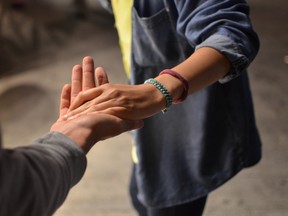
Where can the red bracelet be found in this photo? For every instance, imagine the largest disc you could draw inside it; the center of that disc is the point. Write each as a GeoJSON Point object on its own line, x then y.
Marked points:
{"type": "Point", "coordinates": [182, 79]}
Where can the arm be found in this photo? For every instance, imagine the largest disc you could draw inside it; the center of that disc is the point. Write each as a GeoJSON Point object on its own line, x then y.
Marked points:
{"type": "Point", "coordinates": [36, 179]}
{"type": "Point", "coordinates": [224, 41]}
{"type": "Point", "coordinates": [202, 68]}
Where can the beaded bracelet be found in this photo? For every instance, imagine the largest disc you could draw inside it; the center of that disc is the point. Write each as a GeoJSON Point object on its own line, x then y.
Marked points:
{"type": "Point", "coordinates": [182, 79]}
{"type": "Point", "coordinates": [163, 90]}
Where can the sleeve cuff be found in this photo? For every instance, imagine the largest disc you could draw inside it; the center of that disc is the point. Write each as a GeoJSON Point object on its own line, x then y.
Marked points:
{"type": "Point", "coordinates": [69, 150]}
{"type": "Point", "coordinates": [228, 48]}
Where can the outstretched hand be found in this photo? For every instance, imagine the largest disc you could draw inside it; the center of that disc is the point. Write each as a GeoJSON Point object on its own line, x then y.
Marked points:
{"type": "Point", "coordinates": [134, 102]}
{"type": "Point", "coordinates": [90, 127]}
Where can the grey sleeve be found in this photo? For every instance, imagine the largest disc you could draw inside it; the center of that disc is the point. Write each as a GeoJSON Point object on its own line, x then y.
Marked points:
{"type": "Point", "coordinates": [36, 179]}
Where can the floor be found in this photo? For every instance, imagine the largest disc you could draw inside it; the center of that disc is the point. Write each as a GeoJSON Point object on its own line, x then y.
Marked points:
{"type": "Point", "coordinates": [37, 52]}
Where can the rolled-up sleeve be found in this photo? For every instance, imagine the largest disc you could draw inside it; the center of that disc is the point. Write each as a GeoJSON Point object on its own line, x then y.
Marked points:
{"type": "Point", "coordinates": [36, 179]}
{"type": "Point", "coordinates": [223, 25]}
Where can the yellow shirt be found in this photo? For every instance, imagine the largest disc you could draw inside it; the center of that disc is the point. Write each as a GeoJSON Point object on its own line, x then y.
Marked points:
{"type": "Point", "coordinates": [122, 10]}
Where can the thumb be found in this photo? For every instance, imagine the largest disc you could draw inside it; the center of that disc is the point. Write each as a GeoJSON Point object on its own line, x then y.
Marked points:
{"type": "Point", "coordinates": [64, 100]}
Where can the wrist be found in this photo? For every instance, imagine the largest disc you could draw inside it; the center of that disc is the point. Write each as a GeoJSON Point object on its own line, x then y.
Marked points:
{"type": "Point", "coordinates": [80, 136]}
{"type": "Point", "coordinates": [83, 138]}
{"type": "Point", "coordinates": [172, 84]}
{"type": "Point", "coordinates": [154, 96]}
{"type": "Point", "coordinates": [166, 94]}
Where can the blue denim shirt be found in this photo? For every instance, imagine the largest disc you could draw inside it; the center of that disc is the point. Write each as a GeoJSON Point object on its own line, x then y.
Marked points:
{"type": "Point", "coordinates": [204, 141]}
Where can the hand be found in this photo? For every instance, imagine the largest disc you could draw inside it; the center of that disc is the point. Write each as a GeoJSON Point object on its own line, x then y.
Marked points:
{"type": "Point", "coordinates": [131, 102]}
{"type": "Point", "coordinates": [88, 128]}
{"type": "Point", "coordinates": [125, 101]}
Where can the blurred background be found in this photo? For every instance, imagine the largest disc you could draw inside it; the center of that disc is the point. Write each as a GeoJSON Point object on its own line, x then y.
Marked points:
{"type": "Point", "coordinates": [41, 40]}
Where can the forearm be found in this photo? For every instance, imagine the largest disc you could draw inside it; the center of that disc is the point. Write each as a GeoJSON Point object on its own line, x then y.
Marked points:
{"type": "Point", "coordinates": [36, 179]}
{"type": "Point", "coordinates": [204, 67]}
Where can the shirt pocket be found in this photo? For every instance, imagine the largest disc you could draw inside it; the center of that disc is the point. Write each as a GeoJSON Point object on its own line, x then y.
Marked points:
{"type": "Point", "coordinates": [154, 40]}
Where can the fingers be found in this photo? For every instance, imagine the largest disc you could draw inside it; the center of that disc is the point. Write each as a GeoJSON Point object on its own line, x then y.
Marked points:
{"type": "Point", "coordinates": [118, 111]}
{"type": "Point", "coordinates": [101, 76]}
{"type": "Point", "coordinates": [76, 81]}
{"type": "Point", "coordinates": [88, 73]}
{"type": "Point", "coordinates": [84, 80]}
{"type": "Point", "coordinates": [84, 97]}
{"type": "Point", "coordinates": [65, 100]}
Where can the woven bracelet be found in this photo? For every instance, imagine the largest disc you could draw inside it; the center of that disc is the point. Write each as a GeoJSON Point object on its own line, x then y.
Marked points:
{"type": "Point", "coordinates": [182, 79]}
{"type": "Point", "coordinates": [163, 90]}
